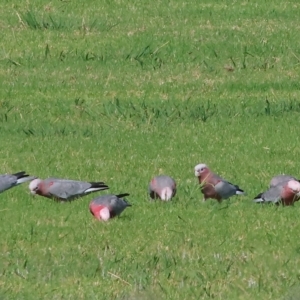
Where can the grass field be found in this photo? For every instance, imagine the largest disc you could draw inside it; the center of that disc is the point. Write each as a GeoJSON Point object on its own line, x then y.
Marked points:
{"type": "Point", "coordinates": [120, 91]}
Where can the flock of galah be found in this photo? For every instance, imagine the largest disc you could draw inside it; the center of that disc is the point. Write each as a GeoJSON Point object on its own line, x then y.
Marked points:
{"type": "Point", "coordinates": [283, 189]}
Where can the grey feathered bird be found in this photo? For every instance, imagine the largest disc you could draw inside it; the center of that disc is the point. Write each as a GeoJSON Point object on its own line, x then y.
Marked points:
{"type": "Point", "coordinates": [213, 186]}
{"type": "Point", "coordinates": [285, 192]}
{"type": "Point", "coordinates": [162, 187]}
{"type": "Point", "coordinates": [108, 206]}
{"type": "Point", "coordinates": [64, 189]}
{"type": "Point", "coordinates": [8, 181]}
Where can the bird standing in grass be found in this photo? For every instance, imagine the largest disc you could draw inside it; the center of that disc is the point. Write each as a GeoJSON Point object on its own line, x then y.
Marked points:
{"type": "Point", "coordinates": [64, 189]}
{"type": "Point", "coordinates": [162, 187]}
{"type": "Point", "coordinates": [108, 206]}
{"type": "Point", "coordinates": [214, 186]}
{"type": "Point", "coordinates": [284, 192]}
{"type": "Point", "coordinates": [8, 181]}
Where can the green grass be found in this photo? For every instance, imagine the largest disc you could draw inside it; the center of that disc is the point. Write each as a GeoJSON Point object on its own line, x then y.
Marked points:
{"type": "Point", "coordinates": [121, 91]}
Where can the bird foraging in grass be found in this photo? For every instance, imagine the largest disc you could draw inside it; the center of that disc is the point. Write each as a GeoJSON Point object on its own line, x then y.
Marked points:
{"type": "Point", "coordinates": [213, 186]}
{"type": "Point", "coordinates": [8, 181]}
{"type": "Point", "coordinates": [284, 192]}
{"type": "Point", "coordinates": [64, 189]}
{"type": "Point", "coordinates": [106, 207]}
{"type": "Point", "coordinates": [162, 187]}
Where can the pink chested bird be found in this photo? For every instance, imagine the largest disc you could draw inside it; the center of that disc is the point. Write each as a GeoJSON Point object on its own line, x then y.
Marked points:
{"type": "Point", "coordinates": [7, 181]}
{"type": "Point", "coordinates": [106, 207]}
{"type": "Point", "coordinates": [285, 192]}
{"type": "Point", "coordinates": [162, 187]}
{"type": "Point", "coordinates": [214, 186]}
{"type": "Point", "coordinates": [64, 189]}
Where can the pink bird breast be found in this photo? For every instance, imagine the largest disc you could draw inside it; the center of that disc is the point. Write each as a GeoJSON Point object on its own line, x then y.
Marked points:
{"type": "Point", "coordinates": [100, 212]}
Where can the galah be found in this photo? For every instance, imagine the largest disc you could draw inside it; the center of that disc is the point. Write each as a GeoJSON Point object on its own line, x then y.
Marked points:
{"type": "Point", "coordinates": [214, 186]}
{"type": "Point", "coordinates": [8, 181]}
{"type": "Point", "coordinates": [285, 192]}
{"type": "Point", "coordinates": [108, 206]}
{"type": "Point", "coordinates": [64, 189]}
{"type": "Point", "coordinates": [281, 178]}
{"type": "Point", "coordinates": [162, 187]}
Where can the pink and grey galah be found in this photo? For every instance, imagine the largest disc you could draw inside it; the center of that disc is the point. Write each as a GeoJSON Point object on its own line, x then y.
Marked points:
{"type": "Point", "coordinates": [106, 207]}
{"type": "Point", "coordinates": [64, 189]}
{"type": "Point", "coordinates": [281, 178]}
{"type": "Point", "coordinates": [214, 186]}
{"type": "Point", "coordinates": [162, 187]}
{"type": "Point", "coordinates": [8, 181]}
{"type": "Point", "coordinates": [284, 192]}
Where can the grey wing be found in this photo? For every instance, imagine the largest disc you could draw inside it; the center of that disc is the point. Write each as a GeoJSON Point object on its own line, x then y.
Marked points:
{"type": "Point", "coordinates": [118, 205]}
{"type": "Point", "coordinates": [55, 179]}
{"type": "Point", "coordinates": [106, 200]}
{"type": "Point", "coordinates": [225, 189]}
{"type": "Point", "coordinates": [280, 179]}
{"type": "Point", "coordinates": [67, 189]}
{"type": "Point", "coordinates": [7, 182]}
{"type": "Point", "coordinates": [273, 194]}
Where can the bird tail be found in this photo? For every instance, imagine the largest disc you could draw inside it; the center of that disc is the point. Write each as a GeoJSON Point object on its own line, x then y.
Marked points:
{"type": "Point", "coordinates": [166, 194]}
{"type": "Point", "coordinates": [240, 192]}
{"type": "Point", "coordinates": [20, 174]}
{"type": "Point", "coordinates": [97, 186]}
{"type": "Point", "coordinates": [258, 199]}
{"type": "Point", "coordinates": [122, 195]}
{"type": "Point", "coordinates": [23, 177]}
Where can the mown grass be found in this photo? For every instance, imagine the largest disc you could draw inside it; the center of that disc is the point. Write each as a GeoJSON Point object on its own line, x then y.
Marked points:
{"type": "Point", "coordinates": [120, 92]}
